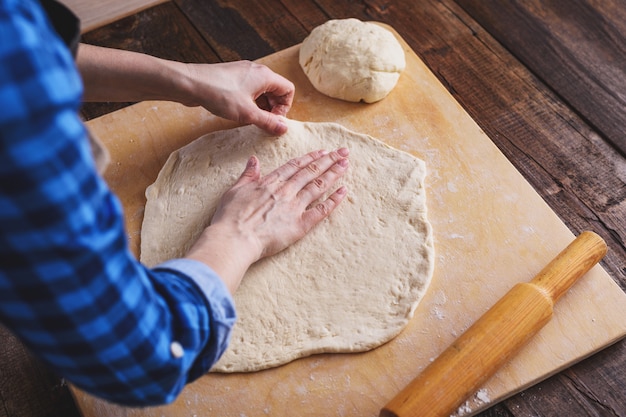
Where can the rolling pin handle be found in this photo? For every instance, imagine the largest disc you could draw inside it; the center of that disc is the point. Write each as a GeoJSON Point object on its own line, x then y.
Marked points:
{"type": "Point", "coordinates": [571, 264]}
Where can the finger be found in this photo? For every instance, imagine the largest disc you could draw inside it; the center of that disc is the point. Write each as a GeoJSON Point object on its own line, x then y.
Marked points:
{"type": "Point", "coordinates": [276, 104]}
{"type": "Point", "coordinates": [279, 92]}
{"type": "Point", "coordinates": [286, 171]}
{"type": "Point", "coordinates": [320, 211]}
{"type": "Point", "coordinates": [279, 109]}
{"type": "Point", "coordinates": [274, 100]}
{"type": "Point", "coordinates": [271, 105]}
{"type": "Point", "coordinates": [316, 168]}
{"type": "Point", "coordinates": [320, 185]}
{"type": "Point", "coordinates": [273, 124]}
{"type": "Point", "coordinates": [251, 173]}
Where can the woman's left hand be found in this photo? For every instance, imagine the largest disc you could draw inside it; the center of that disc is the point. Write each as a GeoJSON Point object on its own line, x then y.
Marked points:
{"type": "Point", "coordinates": [243, 91]}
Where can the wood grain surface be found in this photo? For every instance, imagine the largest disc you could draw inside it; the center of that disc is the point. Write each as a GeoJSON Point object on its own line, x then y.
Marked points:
{"type": "Point", "coordinates": [491, 231]}
{"type": "Point", "coordinates": [492, 63]}
{"type": "Point", "coordinates": [577, 48]}
{"type": "Point", "coordinates": [93, 14]}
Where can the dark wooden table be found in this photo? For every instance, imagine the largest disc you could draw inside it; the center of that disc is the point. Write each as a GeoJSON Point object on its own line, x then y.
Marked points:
{"type": "Point", "coordinates": [546, 80]}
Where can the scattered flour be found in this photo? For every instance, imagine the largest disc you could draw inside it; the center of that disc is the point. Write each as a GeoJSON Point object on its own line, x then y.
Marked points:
{"type": "Point", "coordinates": [481, 397]}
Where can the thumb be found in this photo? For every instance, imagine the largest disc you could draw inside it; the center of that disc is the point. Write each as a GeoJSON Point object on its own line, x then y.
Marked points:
{"type": "Point", "coordinates": [251, 173]}
{"type": "Point", "coordinates": [270, 122]}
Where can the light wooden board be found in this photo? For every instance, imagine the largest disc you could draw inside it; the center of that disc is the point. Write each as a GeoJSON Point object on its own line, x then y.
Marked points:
{"type": "Point", "coordinates": [96, 13]}
{"type": "Point", "coordinates": [491, 230]}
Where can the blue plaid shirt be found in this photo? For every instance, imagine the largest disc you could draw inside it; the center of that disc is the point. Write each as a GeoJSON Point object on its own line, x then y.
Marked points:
{"type": "Point", "coordinates": [69, 287]}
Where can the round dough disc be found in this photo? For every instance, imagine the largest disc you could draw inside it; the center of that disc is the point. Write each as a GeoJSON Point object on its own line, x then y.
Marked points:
{"type": "Point", "coordinates": [352, 60]}
{"type": "Point", "coordinates": [350, 285]}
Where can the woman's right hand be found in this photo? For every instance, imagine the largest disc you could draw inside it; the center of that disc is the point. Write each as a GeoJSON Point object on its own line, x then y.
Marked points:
{"type": "Point", "coordinates": [260, 216]}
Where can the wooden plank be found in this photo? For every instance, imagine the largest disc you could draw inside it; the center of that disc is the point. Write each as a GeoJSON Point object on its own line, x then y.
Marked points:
{"type": "Point", "coordinates": [592, 388]}
{"type": "Point", "coordinates": [578, 48]}
{"type": "Point", "coordinates": [309, 14]}
{"type": "Point", "coordinates": [93, 14]}
{"type": "Point", "coordinates": [227, 28]}
{"type": "Point", "coordinates": [162, 31]}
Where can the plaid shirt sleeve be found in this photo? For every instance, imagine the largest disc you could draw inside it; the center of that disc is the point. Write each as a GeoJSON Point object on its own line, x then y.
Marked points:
{"type": "Point", "coordinates": [69, 287]}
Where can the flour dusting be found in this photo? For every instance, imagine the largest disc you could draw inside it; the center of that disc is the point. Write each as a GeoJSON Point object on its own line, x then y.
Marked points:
{"type": "Point", "coordinates": [481, 397]}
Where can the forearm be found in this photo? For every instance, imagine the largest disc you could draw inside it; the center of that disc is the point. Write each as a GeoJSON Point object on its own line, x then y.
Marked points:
{"type": "Point", "coordinates": [242, 91]}
{"type": "Point", "coordinates": [228, 254]}
{"type": "Point", "coordinates": [118, 76]}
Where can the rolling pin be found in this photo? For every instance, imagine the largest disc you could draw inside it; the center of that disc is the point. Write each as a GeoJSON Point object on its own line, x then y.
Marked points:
{"type": "Point", "coordinates": [479, 352]}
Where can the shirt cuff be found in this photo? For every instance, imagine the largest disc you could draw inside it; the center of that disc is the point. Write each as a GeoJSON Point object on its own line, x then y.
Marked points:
{"type": "Point", "coordinates": [212, 286]}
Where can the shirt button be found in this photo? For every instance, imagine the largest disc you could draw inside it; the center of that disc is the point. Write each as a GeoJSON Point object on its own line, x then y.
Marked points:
{"type": "Point", "coordinates": [177, 350]}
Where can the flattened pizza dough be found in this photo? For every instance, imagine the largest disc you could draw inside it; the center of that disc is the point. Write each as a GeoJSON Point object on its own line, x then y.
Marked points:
{"type": "Point", "coordinates": [350, 285]}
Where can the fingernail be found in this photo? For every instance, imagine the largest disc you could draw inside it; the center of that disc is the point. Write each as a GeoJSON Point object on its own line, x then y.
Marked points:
{"type": "Point", "coordinates": [343, 151]}
{"type": "Point", "coordinates": [342, 190]}
{"type": "Point", "coordinates": [342, 163]}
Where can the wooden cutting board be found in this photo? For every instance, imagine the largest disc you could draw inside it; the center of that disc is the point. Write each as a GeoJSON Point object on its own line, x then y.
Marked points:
{"type": "Point", "coordinates": [491, 230]}
{"type": "Point", "coordinates": [93, 14]}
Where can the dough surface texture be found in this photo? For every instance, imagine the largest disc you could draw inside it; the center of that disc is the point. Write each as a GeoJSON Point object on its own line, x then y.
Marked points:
{"type": "Point", "coordinates": [352, 60]}
{"type": "Point", "coordinates": [350, 285]}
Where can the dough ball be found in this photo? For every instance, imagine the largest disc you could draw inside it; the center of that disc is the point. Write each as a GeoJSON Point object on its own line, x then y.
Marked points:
{"type": "Point", "coordinates": [352, 60]}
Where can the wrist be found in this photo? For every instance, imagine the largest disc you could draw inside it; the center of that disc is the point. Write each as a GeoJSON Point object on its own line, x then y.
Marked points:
{"type": "Point", "coordinates": [182, 85]}
{"type": "Point", "coordinates": [228, 254]}
{"type": "Point", "coordinates": [117, 75]}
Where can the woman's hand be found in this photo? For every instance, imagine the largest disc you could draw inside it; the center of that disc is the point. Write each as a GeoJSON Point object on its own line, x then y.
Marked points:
{"type": "Point", "coordinates": [261, 216]}
{"type": "Point", "coordinates": [243, 91]}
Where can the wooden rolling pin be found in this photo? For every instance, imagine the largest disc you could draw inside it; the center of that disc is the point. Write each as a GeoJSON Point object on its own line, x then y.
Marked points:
{"type": "Point", "coordinates": [479, 352]}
